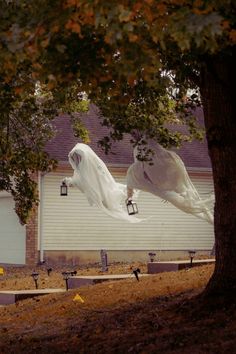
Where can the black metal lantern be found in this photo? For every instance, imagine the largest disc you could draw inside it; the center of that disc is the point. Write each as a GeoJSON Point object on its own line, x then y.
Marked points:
{"type": "Point", "coordinates": [131, 207]}
{"type": "Point", "coordinates": [63, 189]}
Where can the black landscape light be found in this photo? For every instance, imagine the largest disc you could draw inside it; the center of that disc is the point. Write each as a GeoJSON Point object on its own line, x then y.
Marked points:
{"type": "Point", "coordinates": [152, 256]}
{"type": "Point", "coordinates": [136, 273]}
{"type": "Point", "coordinates": [64, 189]}
{"type": "Point", "coordinates": [66, 276]}
{"type": "Point", "coordinates": [191, 255]}
{"type": "Point", "coordinates": [35, 276]}
{"type": "Point", "coordinates": [103, 255]}
{"type": "Point", "coordinates": [49, 270]}
{"type": "Point", "coordinates": [131, 207]}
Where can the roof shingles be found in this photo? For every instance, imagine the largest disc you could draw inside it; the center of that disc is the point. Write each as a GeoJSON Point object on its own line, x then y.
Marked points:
{"type": "Point", "coordinates": [194, 154]}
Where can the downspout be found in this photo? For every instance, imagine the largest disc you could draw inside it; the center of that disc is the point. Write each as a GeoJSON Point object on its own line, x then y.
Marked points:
{"type": "Point", "coordinates": [40, 231]}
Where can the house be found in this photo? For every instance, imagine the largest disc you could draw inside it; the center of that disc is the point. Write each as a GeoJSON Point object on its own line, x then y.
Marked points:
{"type": "Point", "coordinates": [68, 230]}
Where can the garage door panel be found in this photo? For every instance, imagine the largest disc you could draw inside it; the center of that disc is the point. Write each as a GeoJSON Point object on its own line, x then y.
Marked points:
{"type": "Point", "coordinates": [70, 223]}
{"type": "Point", "coordinates": [12, 234]}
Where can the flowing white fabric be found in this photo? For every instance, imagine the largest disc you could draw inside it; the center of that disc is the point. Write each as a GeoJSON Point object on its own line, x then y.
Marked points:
{"type": "Point", "coordinates": [92, 177]}
{"type": "Point", "coordinates": [168, 179]}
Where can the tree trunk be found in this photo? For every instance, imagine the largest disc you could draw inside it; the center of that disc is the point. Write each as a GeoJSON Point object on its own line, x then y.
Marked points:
{"type": "Point", "coordinates": [218, 78]}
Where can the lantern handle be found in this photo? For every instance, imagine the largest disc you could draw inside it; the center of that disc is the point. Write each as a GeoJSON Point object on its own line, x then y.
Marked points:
{"type": "Point", "coordinates": [129, 201]}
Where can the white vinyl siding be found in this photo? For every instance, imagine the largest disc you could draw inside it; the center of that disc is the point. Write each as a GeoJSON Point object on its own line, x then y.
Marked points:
{"type": "Point", "coordinates": [70, 223]}
{"type": "Point", "coordinates": [12, 233]}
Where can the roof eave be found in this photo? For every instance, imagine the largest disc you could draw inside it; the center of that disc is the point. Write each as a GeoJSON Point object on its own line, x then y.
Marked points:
{"type": "Point", "coordinates": [119, 165]}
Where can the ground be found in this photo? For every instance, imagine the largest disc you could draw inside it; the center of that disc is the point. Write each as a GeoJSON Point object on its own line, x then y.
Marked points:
{"type": "Point", "coordinates": [158, 314]}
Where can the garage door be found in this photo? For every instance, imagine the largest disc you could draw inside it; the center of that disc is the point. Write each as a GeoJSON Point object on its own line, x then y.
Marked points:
{"type": "Point", "coordinates": [12, 233]}
{"type": "Point", "coordinates": [70, 223]}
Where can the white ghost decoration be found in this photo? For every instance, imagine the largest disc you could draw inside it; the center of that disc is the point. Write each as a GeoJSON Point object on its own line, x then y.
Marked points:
{"type": "Point", "coordinates": [168, 179]}
{"type": "Point", "coordinates": [92, 177]}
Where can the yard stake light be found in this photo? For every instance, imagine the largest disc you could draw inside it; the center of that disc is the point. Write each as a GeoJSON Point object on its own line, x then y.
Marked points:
{"type": "Point", "coordinates": [136, 273]}
{"type": "Point", "coordinates": [63, 189]}
{"type": "Point", "coordinates": [103, 255]}
{"type": "Point", "coordinates": [66, 276]}
{"type": "Point", "coordinates": [35, 276]}
{"type": "Point", "coordinates": [131, 207]}
{"type": "Point", "coordinates": [49, 270]}
{"type": "Point", "coordinates": [152, 256]}
{"type": "Point", "coordinates": [191, 255]}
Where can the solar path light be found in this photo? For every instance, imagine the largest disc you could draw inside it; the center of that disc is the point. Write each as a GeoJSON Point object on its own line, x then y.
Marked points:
{"type": "Point", "coordinates": [66, 276]}
{"type": "Point", "coordinates": [152, 256]}
{"type": "Point", "coordinates": [103, 255]}
{"type": "Point", "coordinates": [136, 273]}
{"type": "Point", "coordinates": [191, 255]}
{"type": "Point", "coordinates": [49, 270]}
{"type": "Point", "coordinates": [35, 276]}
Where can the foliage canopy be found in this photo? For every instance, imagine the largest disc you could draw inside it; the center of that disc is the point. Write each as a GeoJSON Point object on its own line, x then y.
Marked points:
{"type": "Point", "coordinates": [138, 60]}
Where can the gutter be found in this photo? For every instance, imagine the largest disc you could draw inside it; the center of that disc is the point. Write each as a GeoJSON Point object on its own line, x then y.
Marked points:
{"type": "Point", "coordinates": [127, 165]}
{"type": "Point", "coordinates": [40, 218]}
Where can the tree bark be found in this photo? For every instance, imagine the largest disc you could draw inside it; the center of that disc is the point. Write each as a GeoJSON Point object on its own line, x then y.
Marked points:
{"type": "Point", "coordinates": [218, 78]}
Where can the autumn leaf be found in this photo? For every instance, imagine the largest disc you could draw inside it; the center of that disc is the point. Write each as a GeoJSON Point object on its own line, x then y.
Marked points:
{"type": "Point", "coordinates": [45, 43]}
{"type": "Point", "coordinates": [161, 8]}
{"type": "Point", "coordinates": [71, 3]}
{"type": "Point", "coordinates": [32, 49]}
{"type": "Point", "coordinates": [178, 2]}
{"type": "Point", "coordinates": [232, 35]}
{"type": "Point", "coordinates": [37, 66]}
{"type": "Point", "coordinates": [9, 66]}
{"type": "Point", "coordinates": [18, 90]}
{"type": "Point", "coordinates": [73, 26]}
{"type": "Point", "coordinates": [40, 30]}
{"type": "Point", "coordinates": [198, 3]}
{"type": "Point", "coordinates": [107, 38]}
{"type": "Point", "coordinates": [125, 16]}
{"type": "Point", "coordinates": [35, 75]}
{"type": "Point", "coordinates": [137, 6]}
{"type": "Point", "coordinates": [225, 24]}
{"type": "Point", "coordinates": [205, 11]}
{"type": "Point", "coordinates": [148, 14]}
{"type": "Point", "coordinates": [131, 80]}
{"type": "Point", "coordinates": [133, 37]}
{"type": "Point", "coordinates": [55, 28]}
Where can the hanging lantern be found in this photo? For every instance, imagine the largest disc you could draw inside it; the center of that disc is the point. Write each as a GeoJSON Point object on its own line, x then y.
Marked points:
{"type": "Point", "coordinates": [131, 207]}
{"type": "Point", "coordinates": [63, 189]}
